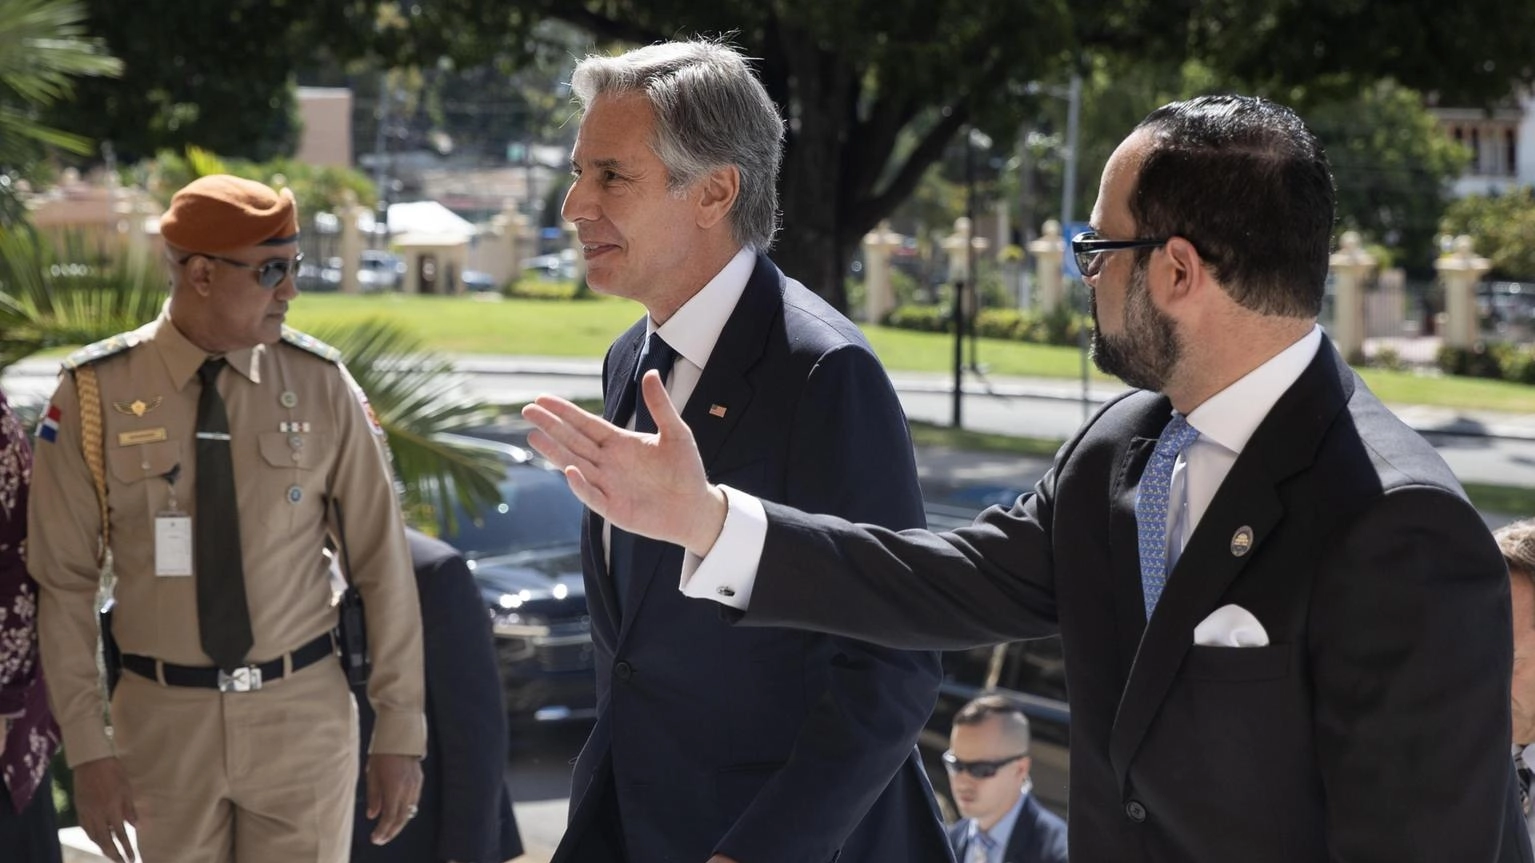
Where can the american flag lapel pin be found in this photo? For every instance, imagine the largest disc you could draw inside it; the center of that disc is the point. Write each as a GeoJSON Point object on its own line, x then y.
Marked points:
{"type": "Point", "coordinates": [717, 411]}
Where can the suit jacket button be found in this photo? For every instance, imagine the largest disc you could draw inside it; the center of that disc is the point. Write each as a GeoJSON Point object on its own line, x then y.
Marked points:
{"type": "Point", "coordinates": [1135, 811]}
{"type": "Point", "coordinates": [623, 670]}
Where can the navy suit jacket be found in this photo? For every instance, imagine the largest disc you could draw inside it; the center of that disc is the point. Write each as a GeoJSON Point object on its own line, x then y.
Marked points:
{"type": "Point", "coordinates": [766, 745]}
{"type": "Point", "coordinates": [1374, 725]}
{"type": "Point", "coordinates": [1039, 836]}
{"type": "Point", "coordinates": [465, 809]}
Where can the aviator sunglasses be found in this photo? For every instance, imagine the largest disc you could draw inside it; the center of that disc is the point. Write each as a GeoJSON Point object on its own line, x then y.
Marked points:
{"type": "Point", "coordinates": [268, 275]}
{"type": "Point", "coordinates": [978, 769]}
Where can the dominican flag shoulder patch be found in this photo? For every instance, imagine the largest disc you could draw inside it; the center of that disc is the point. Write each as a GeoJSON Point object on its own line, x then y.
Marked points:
{"type": "Point", "coordinates": [48, 427]}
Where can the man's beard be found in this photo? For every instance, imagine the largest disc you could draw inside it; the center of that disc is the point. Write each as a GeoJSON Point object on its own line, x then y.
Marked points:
{"type": "Point", "coordinates": [1145, 354]}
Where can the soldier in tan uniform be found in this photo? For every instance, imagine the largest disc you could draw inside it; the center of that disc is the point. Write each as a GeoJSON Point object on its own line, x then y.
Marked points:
{"type": "Point", "coordinates": [233, 734]}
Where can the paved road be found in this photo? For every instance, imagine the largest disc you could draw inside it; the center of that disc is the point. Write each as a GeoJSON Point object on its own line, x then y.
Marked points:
{"type": "Point", "coordinates": [1479, 446]}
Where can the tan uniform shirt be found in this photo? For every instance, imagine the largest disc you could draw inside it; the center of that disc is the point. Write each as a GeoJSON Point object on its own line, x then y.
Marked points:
{"type": "Point", "coordinates": [299, 432]}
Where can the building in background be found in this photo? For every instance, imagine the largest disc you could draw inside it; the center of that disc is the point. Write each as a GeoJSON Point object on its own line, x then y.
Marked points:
{"type": "Point", "coordinates": [326, 113]}
{"type": "Point", "coordinates": [1502, 144]}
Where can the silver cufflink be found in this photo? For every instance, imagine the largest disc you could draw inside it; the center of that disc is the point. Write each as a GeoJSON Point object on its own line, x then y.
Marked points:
{"type": "Point", "coordinates": [724, 591]}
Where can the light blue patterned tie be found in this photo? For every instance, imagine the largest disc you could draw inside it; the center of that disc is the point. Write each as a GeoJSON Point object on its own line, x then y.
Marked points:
{"type": "Point", "coordinates": [1152, 503]}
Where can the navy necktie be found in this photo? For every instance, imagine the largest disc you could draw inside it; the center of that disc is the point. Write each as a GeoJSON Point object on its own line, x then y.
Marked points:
{"type": "Point", "coordinates": [223, 618]}
{"type": "Point", "coordinates": [1524, 773]}
{"type": "Point", "coordinates": [624, 547]}
{"type": "Point", "coordinates": [1152, 502]}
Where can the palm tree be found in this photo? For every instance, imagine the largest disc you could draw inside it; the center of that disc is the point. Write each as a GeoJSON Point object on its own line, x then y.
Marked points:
{"type": "Point", "coordinates": [416, 395]}
{"type": "Point", "coordinates": [51, 298]}
{"type": "Point", "coordinates": [43, 46]}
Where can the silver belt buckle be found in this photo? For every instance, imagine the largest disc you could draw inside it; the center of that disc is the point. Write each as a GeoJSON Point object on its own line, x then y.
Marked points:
{"type": "Point", "coordinates": [246, 678]}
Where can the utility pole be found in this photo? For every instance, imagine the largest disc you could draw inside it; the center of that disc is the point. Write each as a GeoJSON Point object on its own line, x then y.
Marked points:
{"type": "Point", "coordinates": [380, 160]}
{"type": "Point", "coordinates": [1068, 198]}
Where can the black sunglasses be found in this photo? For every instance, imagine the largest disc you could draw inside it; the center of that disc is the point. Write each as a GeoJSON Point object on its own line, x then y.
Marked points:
{"type": "Point", "coordinates": [978, 769]}
{"type": "Point", "coordinates": [268, 275]}
{"type": "Point", "coordinates": [1088, 248]}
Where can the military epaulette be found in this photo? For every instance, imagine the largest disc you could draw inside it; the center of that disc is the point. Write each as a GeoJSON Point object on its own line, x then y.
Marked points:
{"type": "Point", "coordinates": [100, 350]}
{"type": "Point", "coordinates": [304, 341]}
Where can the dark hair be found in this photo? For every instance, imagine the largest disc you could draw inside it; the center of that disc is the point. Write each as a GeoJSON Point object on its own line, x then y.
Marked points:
{"type": "Point", "coordinates": [986, 706]}
{"type": "Point", "coordinates": [1247, 183]}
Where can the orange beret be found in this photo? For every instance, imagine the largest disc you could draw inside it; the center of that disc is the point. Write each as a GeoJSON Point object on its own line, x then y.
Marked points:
{"type": "Point", "coordinates": [220, 213]}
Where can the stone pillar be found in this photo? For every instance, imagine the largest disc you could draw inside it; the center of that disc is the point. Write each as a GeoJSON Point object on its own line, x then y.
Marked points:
{"type": "Point", "coordinates": [350, 245]}
{"type": "Point", "coordinates": [879, 295]}
{"type": "Point", "coordinates": [1351, 264]}
{"type": "Point", "coordinates": [139, 209]}
{"type": "Point", "coordinates": [1460, 270]}
{"type": "Point", "coordinates": [1048, 251]}
{"type": "Point", "coordinates": [954, 250]}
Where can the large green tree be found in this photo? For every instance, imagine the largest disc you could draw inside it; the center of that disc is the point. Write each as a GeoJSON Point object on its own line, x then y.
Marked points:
{"type": "Point", "coordinates": [1502, 228]}
{"type": "Point", "coordinates": [43, 48]}
{"type": "Point", "coordinates": [1392, 163]}
{"type": "Point", "coordinates": [1393, 166]}
{"type": "Point", "coordinates": [216, 75]}
{"type": "Point", "coordinates": [873, 90]}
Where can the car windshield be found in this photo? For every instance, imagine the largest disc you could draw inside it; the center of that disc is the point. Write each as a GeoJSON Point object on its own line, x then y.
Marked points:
{"type": "Point", "coordinates": [537, 510]}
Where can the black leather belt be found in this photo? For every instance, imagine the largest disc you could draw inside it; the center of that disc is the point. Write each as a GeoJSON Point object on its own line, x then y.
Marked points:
{"type": "Point", "coordinates": [246, 678]}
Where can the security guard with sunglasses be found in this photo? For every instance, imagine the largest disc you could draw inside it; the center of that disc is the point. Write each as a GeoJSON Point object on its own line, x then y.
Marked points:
{"type": "Point", "coordinates": [227, 448]}
{"type": "Point", "coordinates": [988, 767]}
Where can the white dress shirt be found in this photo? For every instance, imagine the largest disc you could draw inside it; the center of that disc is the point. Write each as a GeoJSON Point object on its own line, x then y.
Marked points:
{"type": "Point", "coordinates": [1527, 755]}
{"type": "Point", "coordinates": [996, 839]}
{"type": "Point", "coordinates": [1225, 422]}
{"type": "Point", "coordinates": [693, 330]}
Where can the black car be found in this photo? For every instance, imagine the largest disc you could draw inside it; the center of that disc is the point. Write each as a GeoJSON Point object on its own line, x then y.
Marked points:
{"type": "Point", "coordinates": [525, 553]}
{"type": "Point", "coordinates": [1033, 673]}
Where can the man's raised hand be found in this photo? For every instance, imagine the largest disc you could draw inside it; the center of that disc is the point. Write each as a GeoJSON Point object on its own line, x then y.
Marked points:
{"type": "Point", "coordinates": [649, 484]}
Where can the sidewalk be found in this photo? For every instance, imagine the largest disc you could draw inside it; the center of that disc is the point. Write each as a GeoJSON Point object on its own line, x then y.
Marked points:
{"type": "Point", "coordinates": [1511, 426]}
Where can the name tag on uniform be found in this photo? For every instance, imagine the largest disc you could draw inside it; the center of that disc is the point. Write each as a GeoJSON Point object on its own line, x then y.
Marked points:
{"type": "Point", "coordinates": [142, 436]}
{"type": "Point", "coordinates": [173, 544]}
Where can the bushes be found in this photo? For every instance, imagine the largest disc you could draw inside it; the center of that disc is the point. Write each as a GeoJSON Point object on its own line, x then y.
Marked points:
{"type": "Point", "coordinates": [1498, 361]}
{"type": "Point", "coordinates": [1060, 327]}
{"type": "Point", "coordinates": [536, 288]}
{"type": "Point", "coordinates": [927, 319]}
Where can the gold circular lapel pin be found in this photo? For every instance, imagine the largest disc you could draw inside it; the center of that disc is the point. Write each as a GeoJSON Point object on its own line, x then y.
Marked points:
{"type": "Point", "coordinates": [1242, 541]}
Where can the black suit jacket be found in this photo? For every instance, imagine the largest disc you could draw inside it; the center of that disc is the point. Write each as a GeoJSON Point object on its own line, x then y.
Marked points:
{"type": "Point", "coordinates": [1039, 836]}
{"type": "Point", "coordinates": [1374, 725]}
{"type": "Point", "coordinates": [465, 810]}
{"type": "Point", "coordinates": [767, 745]}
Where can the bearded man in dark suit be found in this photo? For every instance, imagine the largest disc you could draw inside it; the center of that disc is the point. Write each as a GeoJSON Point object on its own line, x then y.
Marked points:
{"type": "Point", "coordinates": [1286, 630]}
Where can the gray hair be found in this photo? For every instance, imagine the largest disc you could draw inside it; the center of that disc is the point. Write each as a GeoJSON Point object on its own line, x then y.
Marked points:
{"type": "Point", "coordinates": [1517, 542]}
{"type": "Point", "coordinates": [711, 112]}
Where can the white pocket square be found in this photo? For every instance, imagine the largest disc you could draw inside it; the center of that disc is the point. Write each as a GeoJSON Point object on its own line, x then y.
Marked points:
{"type": "Point", "coordinates": [1231, 626]}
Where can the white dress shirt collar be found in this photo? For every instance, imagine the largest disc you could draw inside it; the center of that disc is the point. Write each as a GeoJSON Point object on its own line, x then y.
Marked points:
{"type": "Point", "coordinates": [693, 330]}
{"type": "Point", "coordinates": [1230, 417]}
{"type": "Point", "coordinates": [1002, 832]}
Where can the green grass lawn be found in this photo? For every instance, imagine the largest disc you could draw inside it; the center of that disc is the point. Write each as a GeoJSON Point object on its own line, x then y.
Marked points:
{"type": "Point", "coordinates": [1503, 499]}
{"type": "Point", "coordinates": [465, 325]}
{"type": "Point", "coordinates": [468, 325]}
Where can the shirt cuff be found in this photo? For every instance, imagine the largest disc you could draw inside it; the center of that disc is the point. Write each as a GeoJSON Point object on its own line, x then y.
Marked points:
{"type": "Point", "coordinates": [398, 733]}
{"type": "Point", "coordinates": [728, 572]}
{"type": "Point", "coordinates": [86, 741]}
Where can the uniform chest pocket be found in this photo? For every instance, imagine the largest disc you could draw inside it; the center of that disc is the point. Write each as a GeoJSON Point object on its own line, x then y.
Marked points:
{"type": "Point", "coordinates": [302, 450]}
{"type": "Point", "coordinates": [132, 466]}
{"type": "Point", "coordinates": [290, 482]}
